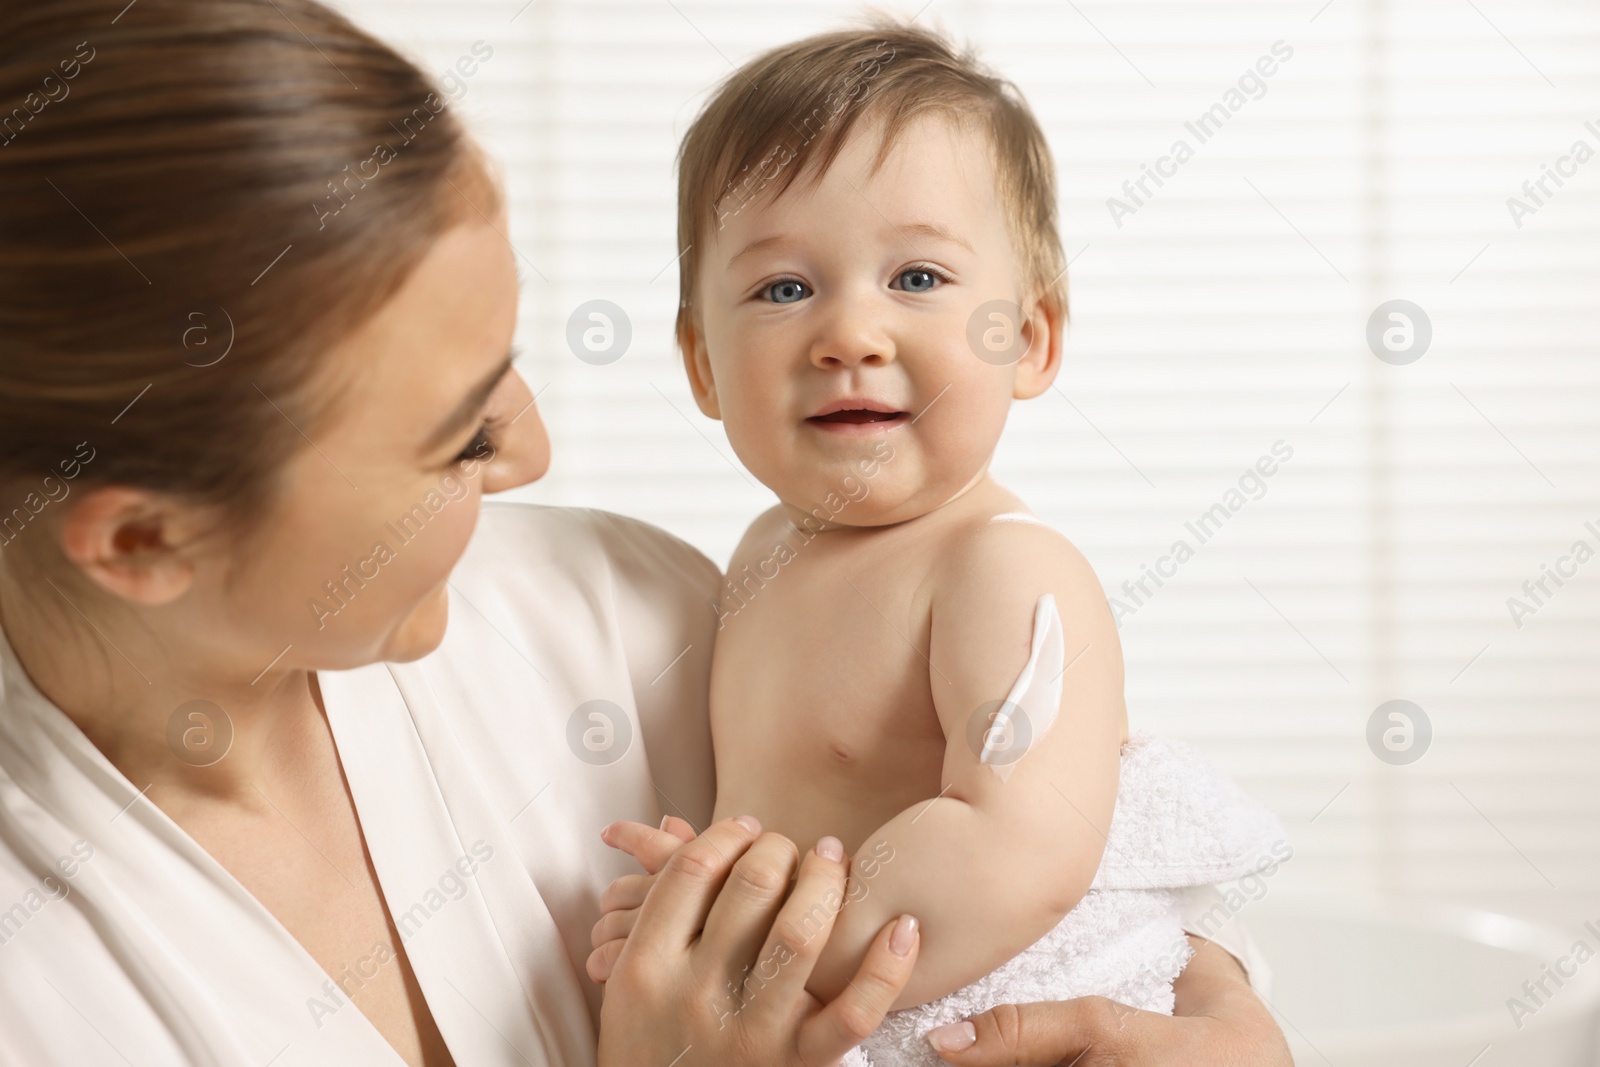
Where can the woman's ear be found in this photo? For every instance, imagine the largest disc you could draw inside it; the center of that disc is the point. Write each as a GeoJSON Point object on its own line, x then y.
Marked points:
{"type": "Point", "coordinates": [691, 342]}
{"type": "Point", "coordinates": [129, 542]}
{"type": "Point", "coordinates": [1039, 365]}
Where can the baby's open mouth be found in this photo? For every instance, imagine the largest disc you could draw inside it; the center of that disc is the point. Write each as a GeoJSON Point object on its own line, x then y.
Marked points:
{"type": "Point", "coordinates": [857, 415]}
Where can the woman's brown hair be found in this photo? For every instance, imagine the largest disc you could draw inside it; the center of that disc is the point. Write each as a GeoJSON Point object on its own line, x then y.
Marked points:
{"type": "Point", "coordinates": [184, 178]}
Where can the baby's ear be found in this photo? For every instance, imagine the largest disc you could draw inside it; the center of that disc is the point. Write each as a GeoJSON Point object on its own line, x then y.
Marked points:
{"type": "Point", "coordinates": [1039, 365]}
{"type": "Point", "coordinates": [697, 364]}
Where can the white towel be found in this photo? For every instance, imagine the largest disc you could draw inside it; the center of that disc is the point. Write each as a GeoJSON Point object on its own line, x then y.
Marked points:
{"type": "Point", "coordinates": [1177, 824]}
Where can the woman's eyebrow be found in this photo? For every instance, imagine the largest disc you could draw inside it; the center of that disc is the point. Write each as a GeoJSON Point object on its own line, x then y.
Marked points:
{"type": "Point", "coordinates": [469, 407]}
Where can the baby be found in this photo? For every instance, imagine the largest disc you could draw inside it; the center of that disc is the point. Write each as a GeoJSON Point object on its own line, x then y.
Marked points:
{"type": "Point", "coordinates": [907, 659]}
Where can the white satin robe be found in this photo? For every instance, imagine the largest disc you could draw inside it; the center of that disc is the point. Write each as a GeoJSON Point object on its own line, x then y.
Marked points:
{"type": "Point", "coordinates": [122, 942]}
{"type": "Point", "coordinates": [150, 953]}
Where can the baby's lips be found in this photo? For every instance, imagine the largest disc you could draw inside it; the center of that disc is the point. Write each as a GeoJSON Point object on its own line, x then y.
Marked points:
{"type": "Point", "coordinates": [853, 404]}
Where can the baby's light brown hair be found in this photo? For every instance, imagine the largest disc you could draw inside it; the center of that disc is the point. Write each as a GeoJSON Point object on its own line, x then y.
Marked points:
{"type": "Point", "coordinates": [789, 111]}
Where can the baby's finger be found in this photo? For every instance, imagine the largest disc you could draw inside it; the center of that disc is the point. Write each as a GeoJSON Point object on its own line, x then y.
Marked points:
{"type": "Point", "coordinates": [651, 847]}
{"type": "Point", "coordinates": [680, 828]}
{"type": "Point", "coordinates": [613, 926]}
{"type": "Point", "coordinates": [855, 1013]}
{"type": "Point", "coordinates": [603, 960]}
{"type": "Point", "coordinates": [628, 891]}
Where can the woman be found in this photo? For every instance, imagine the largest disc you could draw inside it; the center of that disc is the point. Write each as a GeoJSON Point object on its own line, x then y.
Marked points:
{"type": "Point", "coordinates": [257, 804]}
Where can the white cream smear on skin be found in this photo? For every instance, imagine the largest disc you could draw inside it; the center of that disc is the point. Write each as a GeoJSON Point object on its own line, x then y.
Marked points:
{"type": "Point", "coordinates": [1035, 698]}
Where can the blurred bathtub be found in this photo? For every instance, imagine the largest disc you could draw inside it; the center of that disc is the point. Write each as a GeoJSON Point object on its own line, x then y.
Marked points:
{"type": "Point", "coordinates": [1386, 983]}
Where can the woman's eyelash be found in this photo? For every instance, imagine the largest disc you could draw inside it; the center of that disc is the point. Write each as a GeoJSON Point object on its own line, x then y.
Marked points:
{"type": "Point", "coordinates": [481, 442]}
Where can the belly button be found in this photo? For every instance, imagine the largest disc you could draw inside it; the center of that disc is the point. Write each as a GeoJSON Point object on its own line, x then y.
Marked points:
{"type": "Point", "coordinates": [840, 753]}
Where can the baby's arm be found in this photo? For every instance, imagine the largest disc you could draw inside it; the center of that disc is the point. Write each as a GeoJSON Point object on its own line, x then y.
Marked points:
{"type": "Point", "coordinates": [992, 865]}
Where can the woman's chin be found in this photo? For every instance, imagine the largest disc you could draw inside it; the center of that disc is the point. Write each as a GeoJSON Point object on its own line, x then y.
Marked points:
{"type": "Point", "coordinates": [422, 631]}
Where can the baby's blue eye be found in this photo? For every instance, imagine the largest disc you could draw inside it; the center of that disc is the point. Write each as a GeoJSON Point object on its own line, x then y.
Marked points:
{"type": "Point", "coordinates": [787, 291]}
{"type": "Point", "coordinates": [917, 280]}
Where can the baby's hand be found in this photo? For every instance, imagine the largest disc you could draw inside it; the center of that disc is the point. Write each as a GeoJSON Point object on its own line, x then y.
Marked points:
{"type": "Point", "coordinates": [620, 903]}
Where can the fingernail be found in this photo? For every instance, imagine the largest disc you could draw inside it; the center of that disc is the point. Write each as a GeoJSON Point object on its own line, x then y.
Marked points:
{"type": "Point", "coordinates": [904, 936]}
{"type": "Point", "coordinates": [605, 834]}
{"type": "Point", "coordinates": [749, 822]}
{"type": "Point", "coordinates": [830, 848]}
{"type": "Point", "coordinates": [663, 825]}
{"type": "Point", "coordinates": [953, 1037]}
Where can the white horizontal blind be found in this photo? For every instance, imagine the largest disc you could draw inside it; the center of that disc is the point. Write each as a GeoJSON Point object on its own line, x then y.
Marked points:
{"type": "Point", "coordinates": [1216, 315]}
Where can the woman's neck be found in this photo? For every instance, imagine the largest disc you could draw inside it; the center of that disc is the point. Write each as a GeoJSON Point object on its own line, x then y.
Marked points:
{"type": "Point", "coordinates": [172, 715]}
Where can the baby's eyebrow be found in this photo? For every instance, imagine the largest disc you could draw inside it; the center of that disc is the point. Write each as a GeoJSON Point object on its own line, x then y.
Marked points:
{"type": "Point", "coordinates": [931, 230]}
{"type": "Point", "coordinates": [757, 245]}
{"type": "Point", "coordinates": [906, 230]}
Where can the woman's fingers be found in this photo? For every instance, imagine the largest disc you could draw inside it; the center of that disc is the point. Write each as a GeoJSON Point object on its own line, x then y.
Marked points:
{"type": "Point", "coordinates": [801, 926]}
{"type": "Point", "coordinates": [650, 846]}
{"type": "Point", "coordinates": [856, 1012]}
{"type": "Point", "coordinates": [1059, 1032]}
{"type": "Point", "coordinates": [749, 902]}
{"type": "Point", "coordinates": [675, 910]}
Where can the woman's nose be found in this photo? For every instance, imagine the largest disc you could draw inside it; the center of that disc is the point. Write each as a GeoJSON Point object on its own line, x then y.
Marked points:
{"type": "Point", "coordinates": [522, 450]}
{"type": "Point", "coordinates": [852, 333]}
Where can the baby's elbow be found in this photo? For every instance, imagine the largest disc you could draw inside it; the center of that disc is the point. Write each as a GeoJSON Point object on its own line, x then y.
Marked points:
{"type": "Point", "coordinates": [1061, 889]}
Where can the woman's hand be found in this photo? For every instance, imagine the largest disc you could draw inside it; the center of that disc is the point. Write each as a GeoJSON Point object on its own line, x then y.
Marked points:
{"type": "Point", "coordinates": [1218, 1021]}
{"type": "Point", "coordinates": [714, 968]}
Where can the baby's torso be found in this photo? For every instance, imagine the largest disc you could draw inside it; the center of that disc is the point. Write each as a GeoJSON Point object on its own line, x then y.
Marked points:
{"type": "Point", "coordinates": [821, 707]}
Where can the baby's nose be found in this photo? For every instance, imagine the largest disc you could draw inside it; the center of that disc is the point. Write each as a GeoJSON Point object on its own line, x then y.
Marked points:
{"type": "Point", "coordinates": [852, 338]}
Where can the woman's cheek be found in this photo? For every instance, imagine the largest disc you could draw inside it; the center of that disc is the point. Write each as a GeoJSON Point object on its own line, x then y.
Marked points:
{"type": "Point", "coordinates": [408, 561]}
{"type": "Point", "coordinates": [432, 554]}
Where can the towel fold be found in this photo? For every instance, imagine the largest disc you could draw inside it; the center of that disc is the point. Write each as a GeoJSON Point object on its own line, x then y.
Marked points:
{"type": "Point", "coordinates": [1177, 824]}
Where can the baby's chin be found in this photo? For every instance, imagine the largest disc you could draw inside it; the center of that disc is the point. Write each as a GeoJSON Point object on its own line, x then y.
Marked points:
{"type": "Point", "coordinates": [862, 502]}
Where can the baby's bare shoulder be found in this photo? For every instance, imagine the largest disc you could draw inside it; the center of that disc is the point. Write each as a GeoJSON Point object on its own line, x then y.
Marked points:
{"type": "Point", "coordinates": [1012, 546]}
{"type": "Point", "coordinates": [764, 530]}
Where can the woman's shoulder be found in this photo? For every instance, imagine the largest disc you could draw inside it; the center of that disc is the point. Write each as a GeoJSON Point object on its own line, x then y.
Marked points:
{"type": "Point", "coordinates": [575, 575]}
{"type": "Point", "coordinates": [606, 606]}
{"type": "Point", "coordinates": [572, 533]}
{"type": "Point", "coordinates": [587, 541]}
